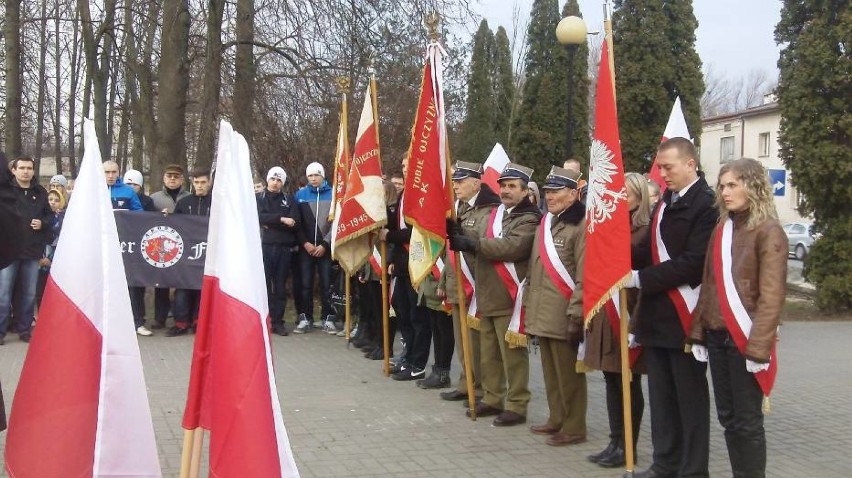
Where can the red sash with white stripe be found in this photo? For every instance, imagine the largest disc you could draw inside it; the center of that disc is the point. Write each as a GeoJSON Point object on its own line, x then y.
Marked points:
{"type": "Point", "coordinates": [550, 258]}
{"type": "Point", "coordinates": [516, 335]}
{"type": "Point", "coordinates": [469, 285]}
{"type": "Point", "coordinates": [684, 297]}
{"type": "Point", "coordinates": [613, 313]}
{"type": "Point", "coordinates": [733, 311]}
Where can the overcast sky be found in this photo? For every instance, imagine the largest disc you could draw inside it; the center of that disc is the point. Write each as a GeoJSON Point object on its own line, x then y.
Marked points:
{"type": "Point", "coordinates": [733, 37]}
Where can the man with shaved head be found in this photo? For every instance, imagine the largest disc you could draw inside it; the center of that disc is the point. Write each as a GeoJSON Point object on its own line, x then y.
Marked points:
{"type": "Point", "coordinates": [122, 195]}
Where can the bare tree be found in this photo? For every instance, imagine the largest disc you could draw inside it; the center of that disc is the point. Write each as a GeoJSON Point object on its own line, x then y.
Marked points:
{"type": "Point", "coordinates": [726, 95]}
{"type": "Point", "coordinates": [173, 81]}
{"type": "Point", "coordinates": [211, 83]}
{"type": "Point", "coordinates": [12, 37]}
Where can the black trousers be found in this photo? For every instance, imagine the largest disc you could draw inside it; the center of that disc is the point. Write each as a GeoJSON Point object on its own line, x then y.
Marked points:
{"type": "Point", "coordinates": [137, 305]}
{"type": "Point", "coordinates": [276, 268]}
{"type": "Point", "coordinates": [404, 303]}
{"type": "Point", "coordinates": [370, 315]}
{"type": "Point", "coordinates": [443, 341]}
{"type": "Point", "coordinates": [162, 305]}
{"type": "Point", "coordinates": [680, 412]}
{"type": "Point", "coordinates": [615, 406]}
{"type": "Point", "coordinates": [738, 406]}
{"type": "Point", "coordinates": [416, 330]}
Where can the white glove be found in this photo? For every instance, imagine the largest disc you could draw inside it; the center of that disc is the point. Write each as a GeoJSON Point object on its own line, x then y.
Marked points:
{"type": "Point", "coordinates": [631, 341]}
{"type": "Point", "coordinates": [755, 367]}
{"type": "Point", "coordinates": [699, 352]}
{"type": "Point", "coordinates": [633, 281]}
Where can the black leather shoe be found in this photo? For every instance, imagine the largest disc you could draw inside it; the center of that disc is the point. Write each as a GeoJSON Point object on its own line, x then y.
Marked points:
{"type": "Point", "coordinates": [613, 460]}
{"type": "Point", "coordinates": [280, 329]}
{"type": "Point", "coordinates": [509, 418]}
{"type": "Point", "coordinates": [649, 473]}
{"type": "Point", "coordinates": [453, 396]}
{"type": "Point", "coordinates": [483, 410]}
{"type": "Point", "coordinates": [177, 331]}
{"type": "Point", "coordinates": [606, 451]}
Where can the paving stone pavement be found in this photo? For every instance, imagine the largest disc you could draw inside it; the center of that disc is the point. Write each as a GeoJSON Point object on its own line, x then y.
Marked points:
{"type": "Point", "coordinates": [345, 419]}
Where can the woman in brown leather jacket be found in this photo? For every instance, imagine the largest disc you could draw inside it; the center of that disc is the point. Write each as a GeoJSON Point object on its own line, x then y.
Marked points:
{"type": "Point", "coordinates": [602, 343]}
{"type": "Point", "coordinates": [739, 309]}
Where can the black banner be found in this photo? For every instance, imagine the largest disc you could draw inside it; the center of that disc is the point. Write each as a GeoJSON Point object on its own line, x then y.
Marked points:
{"type": "Point", "coordinates": [160, 250]}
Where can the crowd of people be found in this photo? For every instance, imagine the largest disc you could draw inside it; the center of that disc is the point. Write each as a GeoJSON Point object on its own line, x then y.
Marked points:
{"type": "Point", "coordinates": [522, 249]}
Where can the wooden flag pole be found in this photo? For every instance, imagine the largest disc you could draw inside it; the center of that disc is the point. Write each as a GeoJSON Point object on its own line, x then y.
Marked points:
{"type": "Point", "coordinates": [465, 335]}
{"type": "Point", "coordinates": [386, 338]}
{"type": "Point", "coordinates": [186, 453]}
{"type": "Point", "coordinates": [195, 461]}
{"type": "Point", "coordinates": [348, 325]}
{"type": "Point", "coordinates": [626, 377]}
{"type": "Point", "coordinates": [609, 41]}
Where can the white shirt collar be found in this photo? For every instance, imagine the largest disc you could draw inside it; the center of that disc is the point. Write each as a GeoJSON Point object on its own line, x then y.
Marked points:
{"type": "Point", "coordinates": [472, 200]}
{"type": "Point", "coordinates": [683, 191]}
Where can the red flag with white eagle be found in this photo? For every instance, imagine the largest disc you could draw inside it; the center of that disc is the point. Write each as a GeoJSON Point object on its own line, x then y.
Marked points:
{"type": "Point", "coordinates": [675, 128]}
{"type": "Point", "coordinates": [493, 166]}
{"type": "Point", "coordinates": [363, 208]}
{"type": "Point", "coordinates": [607, 215]}
{"type": "Point", "coordinates": [341, 163]}
{"type": "Point", "coordinates": [232, 391]}
{"type": "Point", "coordinates": [428, 199]}
{"type": "Point", "coordinates": [81, 406]}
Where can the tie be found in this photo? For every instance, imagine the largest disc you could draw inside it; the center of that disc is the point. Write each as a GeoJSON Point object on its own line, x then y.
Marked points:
{"type": "Point", "coordinates": [675, 197]}
{"type": "Point", "coordinates": [463, 207]}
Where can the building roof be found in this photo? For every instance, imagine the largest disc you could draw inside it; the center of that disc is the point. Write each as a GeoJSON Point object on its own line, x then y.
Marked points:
{"type": "Point", "coordinates": [746, 113]}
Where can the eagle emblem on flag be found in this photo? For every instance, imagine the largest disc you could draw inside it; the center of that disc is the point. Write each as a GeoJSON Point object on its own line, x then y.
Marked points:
{"type": "Point", "coordinates": [601, 201]}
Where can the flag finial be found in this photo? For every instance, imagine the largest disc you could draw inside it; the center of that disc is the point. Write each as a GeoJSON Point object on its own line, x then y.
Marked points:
{"type": "Point", "coordinates": [343, 84]}
{"type": "Point", "coordinates": [432, 20]}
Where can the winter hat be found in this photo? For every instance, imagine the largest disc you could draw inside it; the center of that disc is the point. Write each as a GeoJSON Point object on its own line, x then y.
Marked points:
{"type": "Point", "coordinates": [277, 172]}
{"type": "Point", "coordinates": [315, 168]}
{"type": "Point", "coordinates": [60, 180]}
{"type": "Point", "coordinates": [133, 176]}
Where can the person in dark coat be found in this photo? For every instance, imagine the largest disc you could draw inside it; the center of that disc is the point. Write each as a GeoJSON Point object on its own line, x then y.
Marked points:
{"type": "Point", "coordinates": [133, 179]}
{"type": "Point", "coordinates": [668, 265]}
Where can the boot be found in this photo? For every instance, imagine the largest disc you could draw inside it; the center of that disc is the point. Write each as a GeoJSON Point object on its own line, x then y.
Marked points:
{"type": "Point", "coordinates": [605, 452]}
{"type": "Point", "coordinates": [437, 379]}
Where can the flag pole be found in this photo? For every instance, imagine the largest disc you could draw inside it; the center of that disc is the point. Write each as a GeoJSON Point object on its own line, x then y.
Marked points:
{"type": "Point", "coordinates": [607, 7]}
{"type": "Point", "coordinates": [386, 345]}
{"type": "Point", "coordinates": [626, 377]}
{"type": "Point", "coordinates": [197, 445]}
{"type": "Point", "coordinates": [186, 454]}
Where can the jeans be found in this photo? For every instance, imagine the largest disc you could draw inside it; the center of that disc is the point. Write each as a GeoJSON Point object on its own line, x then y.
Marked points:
{"type": "Point", "coordinates": [276, 267]}
{"type": "Point", "coordinates": [323, 267]}
{"type": "Point", "coordinates": [738, 406]}
{"type": "Point", "coordinates": [24, 273]}
{"type": "Point", "coordinates": [186, 307]}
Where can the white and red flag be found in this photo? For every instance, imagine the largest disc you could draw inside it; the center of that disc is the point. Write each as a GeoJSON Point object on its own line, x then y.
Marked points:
{"type": "Point", "coordinates": [607, 215]}
{"type": "Point", "coordinates": [428, 194]}
{"type": "Point", "coordinates": [232, 391]}
{"type": "Point", "coordinates": [341, 164]}
{"type": "Point", "coordinates": [81, 406]}
{"type": "Point", "coordinates": [492, 168]}
{"type": "Point", "coordinates": [675, 128]}
{"type": "Point", "coordinates": [363, 208]}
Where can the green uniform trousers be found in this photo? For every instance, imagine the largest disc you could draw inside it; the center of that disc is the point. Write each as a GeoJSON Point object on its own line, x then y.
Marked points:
{"type": "Point", "coordinates": [566, 389]}
{"type": "Point", "coordinates": [502, 366]}
{"type": "Point", "coordinates": [474, 348]}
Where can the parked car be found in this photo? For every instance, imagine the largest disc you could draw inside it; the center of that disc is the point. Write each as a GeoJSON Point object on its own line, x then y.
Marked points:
{"type": "Point", "coordinates": [799, 239]}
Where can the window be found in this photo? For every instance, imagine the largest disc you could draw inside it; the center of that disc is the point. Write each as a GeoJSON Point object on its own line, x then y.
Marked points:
{"type": "Point", "coordinates": [726, 149]}
{"type": "Point", "coordinates": [763, 144]}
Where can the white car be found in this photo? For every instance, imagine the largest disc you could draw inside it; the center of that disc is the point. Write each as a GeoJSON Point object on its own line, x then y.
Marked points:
{"type": "Point", "coordinates": [799, 239]}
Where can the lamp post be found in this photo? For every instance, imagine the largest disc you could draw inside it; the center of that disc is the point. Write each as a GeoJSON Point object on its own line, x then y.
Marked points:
{"type": "Point", "coordinates": [571, 32]}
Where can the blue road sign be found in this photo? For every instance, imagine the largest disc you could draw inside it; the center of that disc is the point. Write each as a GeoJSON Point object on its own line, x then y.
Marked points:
{"type": "Point", "coordinates": [778, 181]}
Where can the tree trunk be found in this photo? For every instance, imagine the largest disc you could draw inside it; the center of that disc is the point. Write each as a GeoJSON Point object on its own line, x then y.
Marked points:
{"type": "Point", "coordinates": [57, 125]}
{"type": "Point", "coordinates": [42, 83]}
{"type": "Point", "coordinates": [245, 71]}
{"type": "Point", "coordinates": [212, 84]}
{"type": "Point", "coordinates": [173, 83]}
{"type": "Point", "coordinates": [12, 36]}
{"type": "Point", "coordinates": [72, 98]}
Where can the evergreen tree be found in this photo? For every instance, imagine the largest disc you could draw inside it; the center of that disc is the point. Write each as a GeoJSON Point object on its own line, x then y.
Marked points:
{"type": "Point", "coordinates": [580, 93]}
{"type": "Point", "coordinates": [504, 85]}
{"type": "Point", "coordinates": [478, 133]}
{"type": "Point", "coordinates": [655, 61]}
{"type": "Point", "coordinates": [813, 93]}
{"type": "Point", "coordinates": [538, 138]}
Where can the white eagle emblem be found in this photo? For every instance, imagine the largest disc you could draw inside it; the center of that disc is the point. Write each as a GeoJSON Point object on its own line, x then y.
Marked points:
{"type": "Point", "coordinates": [601, 201]}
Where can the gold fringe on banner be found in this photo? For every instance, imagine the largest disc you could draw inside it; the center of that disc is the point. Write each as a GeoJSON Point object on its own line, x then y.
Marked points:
{"type": "Point", "coordinates": [767, 409]}
{"type": "Point", "coordinates": [612, 291]}
{"type": "Point", "coordinates": [473, 322]}
{"type": "Point", "coordinates": [516, 340]}
{"type": "Point", "coordinates": [581, 367]}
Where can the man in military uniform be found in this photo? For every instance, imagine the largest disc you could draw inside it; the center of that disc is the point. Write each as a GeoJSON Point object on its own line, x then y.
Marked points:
{"type": "Point", "coordinates": [554, 306]}
{"type": "Point", "coordinates": [473, 207]}
{"type": "Point", "coordinates": [501, 263]}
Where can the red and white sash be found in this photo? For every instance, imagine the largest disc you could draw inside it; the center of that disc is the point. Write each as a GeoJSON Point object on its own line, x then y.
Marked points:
{"type": "Point", "coordinates": [613, 313]}
{"type": "Point", "coordinates": [684, 297]}
{"type": "Point", "coordinates": [376, 261]}
{"type": "Point", "coordinates": [735, 315]}
{"type": "Point", "coordinates": [516, 335]}
{"type": "Point", "coordinates": [550, 257]}
{"type": "Point", "coordinates": [469, 285]}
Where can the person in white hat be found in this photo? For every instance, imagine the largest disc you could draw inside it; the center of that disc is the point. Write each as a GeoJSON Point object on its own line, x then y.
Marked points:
{"type": "Point", "coordinates": [314, 235]}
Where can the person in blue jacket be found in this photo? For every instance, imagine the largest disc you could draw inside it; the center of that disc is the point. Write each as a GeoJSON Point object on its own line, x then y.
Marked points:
{"type": "Point", "coordinates": [122, 195]}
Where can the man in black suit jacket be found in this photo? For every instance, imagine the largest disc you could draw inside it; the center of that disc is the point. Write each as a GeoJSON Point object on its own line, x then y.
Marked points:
{"type": "Point", "coordinates": [669, 264]}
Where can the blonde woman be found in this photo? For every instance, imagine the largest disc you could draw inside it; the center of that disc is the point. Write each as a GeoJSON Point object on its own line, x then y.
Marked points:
{"type": "Point", "coordinates": [602, 344]}
{"type": "Point", "coordinates": [739, 309]}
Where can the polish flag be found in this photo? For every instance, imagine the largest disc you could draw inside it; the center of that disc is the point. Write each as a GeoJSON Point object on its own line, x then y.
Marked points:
{"type": "Point", "coordinates": [232, 390]}
{"type": "Point", "coordinates": [675, 128]}
{"type": "Point", "coordinates": [493, 167]}
{"type": "Point", "coordinates": [81, 406]}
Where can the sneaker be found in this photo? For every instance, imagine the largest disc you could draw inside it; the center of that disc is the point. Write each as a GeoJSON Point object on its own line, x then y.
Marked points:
{"type": "Point", "coordinates": [141, 330]}
{"type": "Point", "coordinates": [303, 326]}
{"type": "Point", "coordinates": [407, 373]}
{"type": "Point", "coordinates": [397, 367]}
{"type": "Point", "coordinates": [342, 333]}
{"type": "Point", "coordinates": [438, 379]}
{"type": "Point", "coordinates": [329, 328]}
{"type": "Point", "coordinates": [176, 331]}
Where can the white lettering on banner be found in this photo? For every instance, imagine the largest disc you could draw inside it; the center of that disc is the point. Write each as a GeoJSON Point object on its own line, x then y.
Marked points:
{"type": "Point", "coordinates": [127, 247]}
{"type": "Point", "coordinates": [198, 251]}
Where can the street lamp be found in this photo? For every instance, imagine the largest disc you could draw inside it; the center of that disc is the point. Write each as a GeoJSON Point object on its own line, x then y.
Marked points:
{"type": "Point", "coordinates": [571, 32]}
